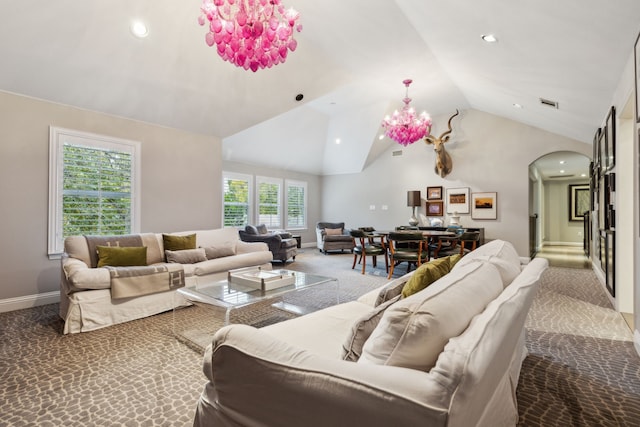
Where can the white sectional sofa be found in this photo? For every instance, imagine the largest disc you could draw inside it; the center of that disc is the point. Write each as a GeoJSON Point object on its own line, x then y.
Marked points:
{"type": "Point", "coordinates": [448, 355]}
{"type": "Point", "coordinates": [88, 302]}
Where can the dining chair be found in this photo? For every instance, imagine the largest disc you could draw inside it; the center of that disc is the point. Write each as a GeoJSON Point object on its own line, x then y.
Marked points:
{"type": "Point", "coordinates": [464, 243]}
{"type": "Point", "coordinates": [364, 248]}
{"type": "Point", "coordinates": [406, 246]}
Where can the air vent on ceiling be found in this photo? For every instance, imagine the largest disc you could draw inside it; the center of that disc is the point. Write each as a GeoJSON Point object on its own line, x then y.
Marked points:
{"type": "Point", "coordinates": [396, 153]}
{"type": "Point", "coordinates": [560, 176]}
{"type": "Point", "coordinates": [548, 103]}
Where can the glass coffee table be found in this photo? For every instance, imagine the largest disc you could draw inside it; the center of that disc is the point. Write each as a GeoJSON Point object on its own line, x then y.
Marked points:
{"type": "Point", "coordinates": [230, 295]}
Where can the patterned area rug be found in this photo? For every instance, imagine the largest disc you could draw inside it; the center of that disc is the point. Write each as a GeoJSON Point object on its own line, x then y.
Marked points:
{"type": "Point", "coordinates": [582, 368]}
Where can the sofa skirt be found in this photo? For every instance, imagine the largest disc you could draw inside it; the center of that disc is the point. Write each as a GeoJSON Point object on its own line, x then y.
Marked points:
{"type": "Point", "coordinates": [90, 310]}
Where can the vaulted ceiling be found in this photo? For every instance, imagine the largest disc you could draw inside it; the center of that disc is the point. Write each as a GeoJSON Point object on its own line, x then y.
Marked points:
{"type": "Point", "coordinates": [350, 62]}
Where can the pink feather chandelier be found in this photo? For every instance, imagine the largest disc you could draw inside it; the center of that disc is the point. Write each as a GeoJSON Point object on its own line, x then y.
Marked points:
{"type": "Point", "coordinates": [405, 126]}
{"type": "Point", "coordinates": [251, 34]}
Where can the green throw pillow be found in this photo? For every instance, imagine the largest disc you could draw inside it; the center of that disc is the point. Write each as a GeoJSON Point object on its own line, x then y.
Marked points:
{"type": "Point", "coordinates": [425, 275]}
{"type": "Point", "coordinates": [178, 243]}
{"type": "Point", "coordinates": [453, 259]}
{"type": "Point", "coordinates": [116, 256]}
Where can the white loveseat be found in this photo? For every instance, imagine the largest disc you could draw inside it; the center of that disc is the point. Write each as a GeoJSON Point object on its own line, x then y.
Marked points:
{"type": "Point", "coordinates": [86, 296]}
{"type": "Point", "coordinates": [449, 355]}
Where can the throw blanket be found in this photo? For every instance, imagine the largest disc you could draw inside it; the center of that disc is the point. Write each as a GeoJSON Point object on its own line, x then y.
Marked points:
{"type": "Point", "coordinates": [127, 282]}
{"type": "Point", "coordinates": [128, 240]}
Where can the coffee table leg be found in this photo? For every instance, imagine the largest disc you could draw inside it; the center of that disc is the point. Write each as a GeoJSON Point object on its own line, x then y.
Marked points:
{"type": "Point", "coordinates": [227, 316]}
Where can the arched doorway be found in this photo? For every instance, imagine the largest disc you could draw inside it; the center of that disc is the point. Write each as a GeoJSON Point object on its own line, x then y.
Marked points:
{"type": "Point", "coordinates": [558, 198]}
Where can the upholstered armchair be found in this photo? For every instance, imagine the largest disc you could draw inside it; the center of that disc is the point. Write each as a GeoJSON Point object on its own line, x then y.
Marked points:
{"type": "Point", "coordinates": [281, 244]}
{"type": "Point", "coordinates": [331, 236]}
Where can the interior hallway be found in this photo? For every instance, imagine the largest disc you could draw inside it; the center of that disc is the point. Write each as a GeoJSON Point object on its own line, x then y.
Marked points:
{"type": "Point", "coordinates": [572, 257]}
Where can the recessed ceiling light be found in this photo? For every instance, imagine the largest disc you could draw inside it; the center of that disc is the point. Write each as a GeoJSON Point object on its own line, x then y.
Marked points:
{"type": "Point", "coordinates": [489, 38]}
{"type": "Point", "coordinates": [337, 140]}
{"type": "Point", "coordinates": [139, 29]}
{"type": "Point", "coordinates": [381, 137]}
{"type": "Point", "coordinates": [299, 97]}
{"type": "Point", "coordinates": [583, 175]}
{"type": "Point", "coordinates": [562, 162]}
{"type": "Point", "coordinates": [562, 171]}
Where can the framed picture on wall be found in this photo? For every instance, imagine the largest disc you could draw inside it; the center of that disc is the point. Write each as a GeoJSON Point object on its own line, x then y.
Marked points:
{"type": "Point", "coordinates": [636, 54]}
{"type": "Point", "coordinates": [611, 138]}
{"type": "Point", "coordinates": [602, 147]}
{"type": "Point", "coordinates": [579, 201]}
{"type": "Point", "coordinates": [596, 149]}
{"type": "Point", "coordinates": [434, 193]}
{"type": "Point", "coordinates": [458, 200]}
{"type": "Point", "coordinates": [484, 205]}
{"type": "Point", "coordinates": [434, 208]}
{"type": "Point", "coordinates": [610, 266]}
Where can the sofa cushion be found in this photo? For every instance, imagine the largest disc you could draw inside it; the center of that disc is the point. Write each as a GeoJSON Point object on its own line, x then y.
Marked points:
{"type": "Point", "coordinates": [321, 332]}
{"type": "Point", "coordinates": [333, 231]}
{"type": "Point", "coordinates": [262, 229]}
{"type": "Point", "coordinates": [186, 256]}
{"type": "Point", "coordinates": [178, 243]}
{"type": "Point", "coordinates": [501, 254]}
{"type": "Point", "coordinates": [361, 330]}
{"type": "Point", "coordinates": [116, 256]}
{"type": "Point", "coordinates": [425, 275]}
{"type": "Point", "coordinates": [220, 250]}
{"type": "Point", "coordinates": [413, 331]}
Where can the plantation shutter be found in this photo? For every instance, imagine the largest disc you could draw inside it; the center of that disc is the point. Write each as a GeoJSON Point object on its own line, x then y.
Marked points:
{"type": "Point", "coordinates": [269, 205]}
{"type": "Point", "coordinates": [96, 192]}
{"type": "Point", "coordinates": [236, 201]}
{"type": "Point", "coordinates": [296, 205]}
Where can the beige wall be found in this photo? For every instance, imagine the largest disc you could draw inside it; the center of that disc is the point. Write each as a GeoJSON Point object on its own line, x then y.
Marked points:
{"type": "Point", "coordinates": [181, 184]}
{"type": "Point", "coordinates": [490, 153]}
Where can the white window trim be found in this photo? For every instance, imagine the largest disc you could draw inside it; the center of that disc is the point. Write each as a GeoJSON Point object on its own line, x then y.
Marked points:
{"type": "Point", "coordinates": [269, 180]}
{"type": "Point", "coordinates": [287, 184]}
{"type": "Point", "coordinates": [57, 137]}
{"type": "Point", "coordinates": [250, 197]}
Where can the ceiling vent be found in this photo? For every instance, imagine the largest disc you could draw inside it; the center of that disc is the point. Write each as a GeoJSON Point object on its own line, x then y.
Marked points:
{"type": "Point", "coordinates": [560, 176]}
{"type": "Point", "coordinates": [396, 153]}
{"type": "Point", "coordinates": [549, 103]}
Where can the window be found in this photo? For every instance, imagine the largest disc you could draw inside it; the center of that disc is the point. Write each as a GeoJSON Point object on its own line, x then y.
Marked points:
{"type": "Point", "coordinates": [269, 202]}
{"type": "Point", "coordinates": [296, 204]}
{"type": "Point", "coordinates": [93, 186]}
{"type": "Point", "coordinates": [237, 194]}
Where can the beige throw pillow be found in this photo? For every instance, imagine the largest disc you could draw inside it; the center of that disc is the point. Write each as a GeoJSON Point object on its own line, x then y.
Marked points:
{"type": "Point", "coordinates": [413, 332]}
{"type": "Point", "coordinates": [333, 231]}
{"type": "Point", "coordinates": [219, 251]}
{"type": "Point", "coordinates": [361, 330]}
{"type": "Point", "coordinates": [187, 256]}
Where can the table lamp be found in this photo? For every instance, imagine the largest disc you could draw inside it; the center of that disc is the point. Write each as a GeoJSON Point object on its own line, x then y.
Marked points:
{"type": "Point", "coordinates": [413, 200]}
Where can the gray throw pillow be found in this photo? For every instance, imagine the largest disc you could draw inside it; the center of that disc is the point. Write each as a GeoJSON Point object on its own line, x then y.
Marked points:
{"type": "Point", "coordinates": [362, 329]}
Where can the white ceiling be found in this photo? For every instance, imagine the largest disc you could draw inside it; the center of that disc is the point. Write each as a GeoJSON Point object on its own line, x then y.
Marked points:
{"type": "Point", "coordinates": [351, 59]}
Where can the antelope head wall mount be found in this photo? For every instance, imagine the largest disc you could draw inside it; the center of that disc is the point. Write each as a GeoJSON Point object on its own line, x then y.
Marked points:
{"type": "Point", "coordinates": [444, 164]}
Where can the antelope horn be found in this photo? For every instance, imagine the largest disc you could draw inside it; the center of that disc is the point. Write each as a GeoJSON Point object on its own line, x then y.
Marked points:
{"type": "Point", "coordinates": [449, 124]}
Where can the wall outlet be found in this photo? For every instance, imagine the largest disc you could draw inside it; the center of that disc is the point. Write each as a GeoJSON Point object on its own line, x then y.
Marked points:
{"type": "Point", "coordinates": [372, 207]}
{"type": "Point", "coordinates": [385, 207]}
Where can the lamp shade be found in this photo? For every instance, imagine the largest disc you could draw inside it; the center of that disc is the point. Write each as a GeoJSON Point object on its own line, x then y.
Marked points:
{"type": "Point", "coordinates": [413, 198]}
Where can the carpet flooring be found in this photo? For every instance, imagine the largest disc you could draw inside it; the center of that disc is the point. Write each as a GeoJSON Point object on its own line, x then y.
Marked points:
{"type": "Point", "coordinates": [582, 369]}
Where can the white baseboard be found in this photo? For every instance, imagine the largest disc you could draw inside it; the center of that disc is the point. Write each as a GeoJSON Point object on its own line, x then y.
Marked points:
{"type": "Point", "coordinates": [578, 244]}
{"type": "Point", "coordinates": [28, 301]}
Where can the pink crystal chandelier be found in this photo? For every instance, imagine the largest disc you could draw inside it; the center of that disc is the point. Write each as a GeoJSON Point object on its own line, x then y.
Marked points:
{"type": "Point", "coordinates": [405, 126]}
{"type": "Point", "coordinates": [250, 34]}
